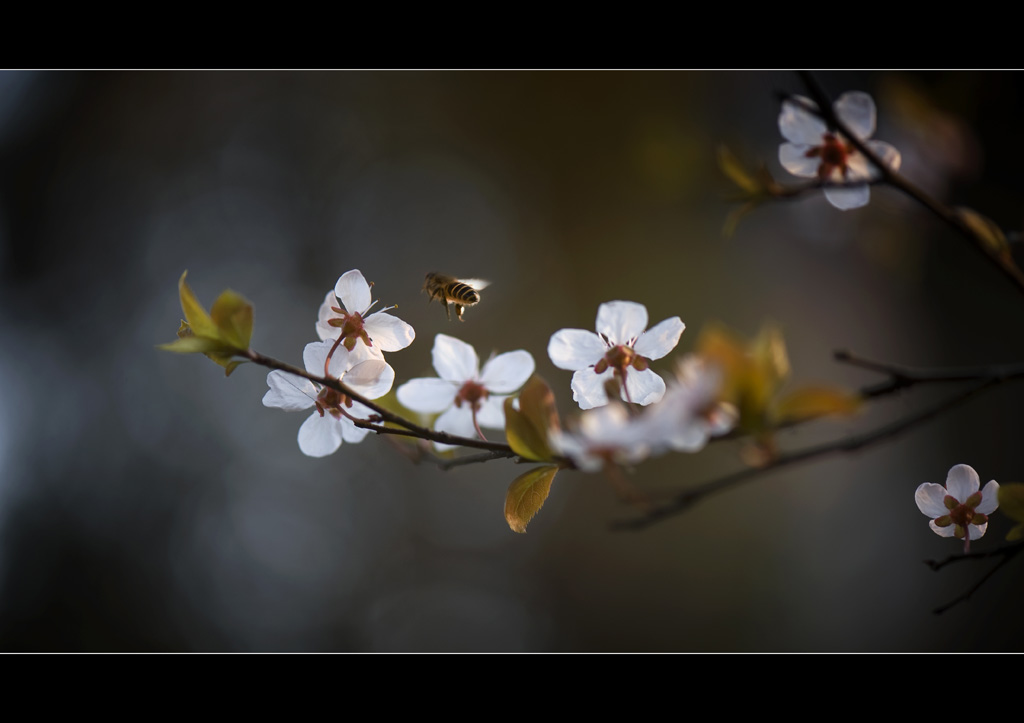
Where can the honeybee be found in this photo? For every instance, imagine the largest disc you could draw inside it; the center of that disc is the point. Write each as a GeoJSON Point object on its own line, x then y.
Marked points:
{"type": "Point", "coordinates": [459, 292]}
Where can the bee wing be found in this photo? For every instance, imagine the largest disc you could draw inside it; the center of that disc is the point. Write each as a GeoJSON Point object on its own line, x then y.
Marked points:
{"type": "Point", "coordinates": [477, 284]}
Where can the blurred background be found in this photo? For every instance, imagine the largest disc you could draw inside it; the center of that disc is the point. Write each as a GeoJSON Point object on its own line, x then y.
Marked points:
{"type": "Point", "coordinates": [148, 503]}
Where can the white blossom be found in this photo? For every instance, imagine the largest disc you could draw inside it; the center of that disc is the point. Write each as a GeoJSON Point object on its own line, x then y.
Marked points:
{"type": "Point", "coordinates": [466, 396]}
{"type": "Point", "coordinates": [621, 349]}
{"type": "Point", "coordinates": [959, 504]}
{"type": "Point", "coordinates": [345, 312]}
{"type": "Point", "coordinates": [813, 151]}
{"type": "Point", "coordinates": [606, 436]}
{"type": "Point", "coordinates": [331, 424]}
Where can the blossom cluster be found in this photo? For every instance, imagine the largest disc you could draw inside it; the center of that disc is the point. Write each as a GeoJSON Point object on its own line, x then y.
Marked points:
{"type": "Point", "coordinates": [351, 350]}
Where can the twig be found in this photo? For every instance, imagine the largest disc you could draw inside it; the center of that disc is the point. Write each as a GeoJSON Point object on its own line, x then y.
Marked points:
{"type": "Point", "coordinates": [825, 111]}
{"type": "Point", "coordinates": [409, 428]}
{"type": "Point", "coordinates": [902, 377]}
{"type": "Point", "coordinates": [685, 500]}
{"type": "Point", "coordinates": [1006, 552]}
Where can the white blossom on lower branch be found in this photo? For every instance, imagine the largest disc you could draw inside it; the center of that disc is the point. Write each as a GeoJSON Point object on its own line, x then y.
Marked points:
{"type": "Point", "coordinates": [959, 508]}
{"type": "Point", "coordinates": [466, 396]}
{"type": "Point", "coordinates": [331, 423]}
{"type": "Point", "coordinates": [621, 349]}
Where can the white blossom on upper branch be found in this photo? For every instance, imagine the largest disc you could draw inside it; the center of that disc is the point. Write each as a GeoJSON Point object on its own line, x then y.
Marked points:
{"type": "Point", "coordinates": [621, 349]}
{"type": "Point", "coordinates": [466, 396]}
{"type": "Point", "coordinates": [345, 313]}
{"type": "Point", "coordinates": [331, 424]}
{"type": "Point", "coordinates": [814, 151]}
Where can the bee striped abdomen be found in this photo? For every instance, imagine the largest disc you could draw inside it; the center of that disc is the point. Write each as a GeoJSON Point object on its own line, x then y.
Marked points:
{"type": "Point", "coordinates": [463, 293]}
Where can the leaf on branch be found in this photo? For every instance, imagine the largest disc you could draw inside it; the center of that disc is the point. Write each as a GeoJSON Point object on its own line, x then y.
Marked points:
{"type": "Point", "coordinates": [987, 231]}
{"type": "Point", "coordinates": [754, 374]}
{"type": "Point", "coordinates": [812, 402]}
{"type": "Point", "coordinates": [1011, 502]}
{"type": "Point", "coordinates": [526, 495]}
{"type": "Point", "coordinates": [219, 335]}
{"type": "Point", "coordinates": [756, 186]}
{"type": "Point", "coordinates": [528, 428]}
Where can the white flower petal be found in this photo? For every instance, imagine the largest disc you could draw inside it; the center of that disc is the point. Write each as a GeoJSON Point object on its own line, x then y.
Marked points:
{"type": "Point", "coordinates": [962, 482]}
{"type": "Point", "coordinates": [621, 321]}
{"type": "Point", "coordinates": [492, 412]}
{"type": "Point", "coordinates": [858, 169]}
{"type": "Point", "coordinates": [989, 498]}
{"type": "Point", "coordinates": [799, 126]}
{"type": "Point", "coordinates": [645, 387]}
{"type": "Point", "coordinates": [457, 421]}
{"type": "Point", "coordinates": [350, 432]}
{"type": "Point", "coordinates": [454, 360]}
{"type": "Point", "coordinates": [575, 349]}
{"type": "Point", "coordinates": [314, 355]}
{"type": "Point", "coordinates": [388, 332]}
{"type": "Point", "coordinates": [289, 392]}
{"type": "Point", "coordinates": [660, 339]}
{"type": "Point", "coordinates": [427, 396]}
{"type": "Point", "coordinates": [353, 291]}
{"type": "Point", "coordinates": [319, 436]}
{"type": "Point", "coordinates": [794, 159]}
{"type": "Point", "coordinates": [886, 153]}
{"type": "Point", "coordinates": [929, 497]}
{"type": "Point", "coordinates": [857, 111]}
{"type": "Point", "coordinates": [371, 378]}
{"type": "Point", "coordinates": [848, 198]}
{"type": "Point", "coordinates": [588, 388]}
{"type": "Point", "coordinates": [326, 312]}
{"type": "Point", "coordinates": [507, 372]}
{"type": "Point", "coordinates": [976, 531]}
{"type": "Point", "coordinates": [949, 531]}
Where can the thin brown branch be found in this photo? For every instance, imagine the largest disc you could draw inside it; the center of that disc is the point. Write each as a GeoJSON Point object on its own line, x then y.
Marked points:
{"type": "Point", "coordinates": [946, 214]}
{"type": "Point", "coordinates": [685, 500]}
{"type": "Point", "coordinates": [409, 429]}
{"type": "Point", "coordinates": [902, 377]}
{"type": "Point", "coordinates": [1006, 553]}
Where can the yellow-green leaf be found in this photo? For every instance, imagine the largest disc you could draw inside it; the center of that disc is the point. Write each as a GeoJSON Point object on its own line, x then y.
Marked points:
{"type": "Point", "coordinates": [195, 345]}
{"type": "Point", "coordinates": [986, 230]}
{"type": "Point", "coordinates": [526, 495]}
{"type": "Point", "coordinates": [736, 172]}
{"type": "Point", "coordinates": [198, 319]}
{"type": "Point", "coordinates": [812, 402]}
{"type": "Point", "coordinates": [1011, 504]}
{"type": "Point", "coordinates": [523, 437]}
{"type": "Point", "coordinates": [233, 316]}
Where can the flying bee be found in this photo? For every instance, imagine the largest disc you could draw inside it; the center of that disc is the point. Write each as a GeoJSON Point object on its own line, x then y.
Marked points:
{"type": "Point", "coordinates": [459, 292]}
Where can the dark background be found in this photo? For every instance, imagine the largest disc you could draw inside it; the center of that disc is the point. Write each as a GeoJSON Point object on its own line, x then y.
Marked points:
{"type": "Point", "coordinates": [148, 503]}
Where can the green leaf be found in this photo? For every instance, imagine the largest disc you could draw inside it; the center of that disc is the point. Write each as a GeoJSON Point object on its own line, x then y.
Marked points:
{"type": "Point", "coordinates": [196, 345]}
{"type": "Point", "coordinates": [524, 439]}
{"type": "Point", "coordinates": [529, 428]}
{"type": "Point", "coordinates": [199, 321]}
{"type": "Point", "coordinates": [526, 495]}
{"type": "Point", "coordinates": [986, 230]}
{"type": "Point", "coordinates": [812, 402]}
{"type": "Point", "coordinates": [233, 316]}
{"type": "Point", "coordinates": [1011, 503]}
{"type": "Point", "coordinates": [736, 172]}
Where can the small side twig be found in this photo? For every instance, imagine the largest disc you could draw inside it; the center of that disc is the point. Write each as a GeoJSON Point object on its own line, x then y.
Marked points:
{"type": "Point", "coordinates": [685, 500]}
{"type": "Point", "coordinates": [946, 214]}
{"type": "Point", "coordinates": [1006, 553]}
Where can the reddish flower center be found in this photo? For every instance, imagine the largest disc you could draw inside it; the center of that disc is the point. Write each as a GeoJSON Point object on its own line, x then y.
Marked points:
{"type": "Point", "coordinates": [835, 156]}
{"type": "Point", "coordinates": [473, 393]}
{"type": "Point", "coordinates": [620, 358]}
{"type": "Point", "coordinates": [351, 326]}
{"type": "Point", "coordinates": [331, 401]}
